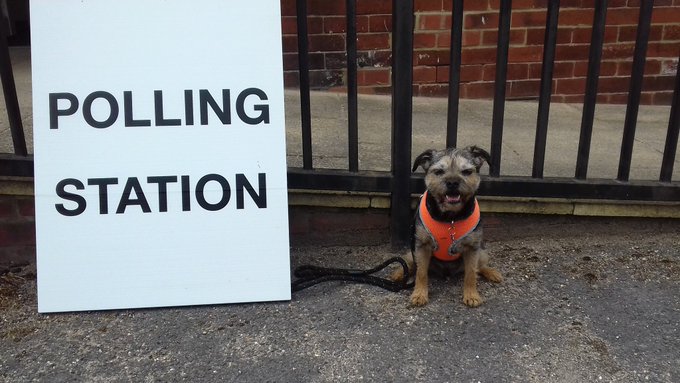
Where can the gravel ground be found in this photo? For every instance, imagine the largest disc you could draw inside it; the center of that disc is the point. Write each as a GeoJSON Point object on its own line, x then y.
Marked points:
{"type": "Point", "coordinates": [583, 300]}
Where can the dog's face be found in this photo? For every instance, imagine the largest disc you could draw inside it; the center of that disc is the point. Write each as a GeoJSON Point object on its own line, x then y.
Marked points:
{"type": "Point", "coordinates": [452, 175]}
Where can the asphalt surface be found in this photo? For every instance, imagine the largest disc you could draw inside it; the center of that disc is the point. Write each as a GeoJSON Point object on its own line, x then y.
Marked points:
{"type": "Point", "coordinates": [583, 300]}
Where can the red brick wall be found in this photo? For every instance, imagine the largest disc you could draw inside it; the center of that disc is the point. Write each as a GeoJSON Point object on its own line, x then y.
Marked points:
{"type": "Point", "coordinates": [17, 231]}
{"type": "Point", "coordinates": [326, 26]}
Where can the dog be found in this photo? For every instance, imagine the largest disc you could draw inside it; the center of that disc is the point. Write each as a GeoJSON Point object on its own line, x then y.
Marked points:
{"type": "Point", "coordinates": [447, 234]}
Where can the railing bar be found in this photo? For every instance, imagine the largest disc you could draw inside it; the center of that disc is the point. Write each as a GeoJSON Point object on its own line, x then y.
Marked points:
{"type": "Point", "coordinates": [10, 92]}
{"type": "Point", "coordinates": [402, 108]}
{"type": "Point", "coordinates": [547, 68]}
{"type": "Point", "coordinates": [352, 113]}
{"type": "Point", "coordinates": [454, 73]}
{"type": "Point", "coordinates": [672, 134]}
{"type": "Point", "coordinates": [636, 77]}
{"type": "Point", "coordinates": [590, 98]}
{"type": "Point", "coordinates": [500, 84]}
{"type": "Point", "coordinates": [303, 68]}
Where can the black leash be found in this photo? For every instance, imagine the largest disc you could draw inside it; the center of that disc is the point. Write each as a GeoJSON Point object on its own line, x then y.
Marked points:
{"type": "Point", "coordinates": [309, 275]}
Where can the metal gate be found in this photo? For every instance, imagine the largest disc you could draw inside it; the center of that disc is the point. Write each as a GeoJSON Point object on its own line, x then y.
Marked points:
{"type": "Point", "coordinates": [400, 183]}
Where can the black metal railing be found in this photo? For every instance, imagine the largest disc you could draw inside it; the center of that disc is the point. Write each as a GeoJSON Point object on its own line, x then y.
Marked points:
{"type": "Point", "coordinates": [18, 163]}
{"type": "Point", "coordinates": [400, 182]}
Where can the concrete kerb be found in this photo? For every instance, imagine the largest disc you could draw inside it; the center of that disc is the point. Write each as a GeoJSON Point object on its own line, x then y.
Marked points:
{"type": "Point", "coordinates": [515, 205]}
{"type": "Point", "coordinates": [23, 187]}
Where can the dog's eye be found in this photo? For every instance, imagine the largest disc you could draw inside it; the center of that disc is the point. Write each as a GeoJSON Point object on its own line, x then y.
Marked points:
{"type": "Point", "coordinates": [467, 172]}
{"type": "Point", "coordinates": [438, 172]}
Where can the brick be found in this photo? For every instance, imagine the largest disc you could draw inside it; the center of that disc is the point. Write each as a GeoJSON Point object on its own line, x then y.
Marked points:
{"type": "Point", "coordinates": [447, 22]}
{"type": "Point", "coordinates": [433, 90]}
{"type": "Point", "coordinates": [335, 24]}
{"type": "Point", "coordinates": [326, 43]}
{"type": "Point", "coordinates": [443, 39]}
{"type": "Point", "coordinates": [481, 21]}
{"type": "Point", "coordinates": [658, 83]}
{"type": "Point", "coordinates": [523, 89]}
{"type": "Point", "coordinates": [525, 54]}
{"type": "Point", "coordinates": [288, 8]}
{"type": "Point", "coordinates": [432, 57]}
{"type": "Point", "coordinates": [671, 32]}
{"type": "Point", "coordinates": [471, 38]}
{"type": "Point", "coordinates": [573, 98]}
{"type": "Point", "coordinates": [315, 25]}
{"type": "Point", "coordinates": [289, 25]}
{"type": "Point", "coordinates": [613, 84]}
{"type": "Point", "coordinates": [607, 68]}
{"type": "Point", "coordinates": [666, 15]}
{"type": "Point", "coordinates": [336, 60]}
{"type": "Point", "coordinates": [572, 52]}
{"type": "Point", "coordinates": [470, 73]}
{"type": "Point", "coordinates": [627, 33]}
{"type": "Point", "coordinates": [478, 55]}
{"type": "Point", "coordinates": [427, 5]}
{"type": "Point", "coordinates": [528, 19]}
{"type": "Point", "coordinates": [430, 22]}
{"type": "Point", "coordinates": [662, 98]}
{"type": "Point", "coordinates": [663, 49]}
{"type": "Point", "coordinates": [371, 41]}
{"type": "Point", "coordinates": [478, 90]}
{"type": "Point", "coordinates": [289, 43]}
{"type": "Point", "coordinates": [424, 40]}
{"type": "Point", "coordinates": [514, 72]}
{"type": "Point", "coordinates": [624, 68]}
{"type": "Point", "coordinates": [425, 74]}
{"type": "Point", "coordinates": [26, 207]}
{"type": "Point", "coordinates": [373, 77]}
{"type": "Point", "coordinates": [291, 79]}
{"type": "Point", "coordinates": [653, 67]}
{"type": "Point", "coordinates": [17, 234]}
{"type": "Point", "coordinates": [375, 58]}
{"type": "Point", "coordinates": [537, 36]}
{"type": "Point", "coordinates": [517, 36]}
{"type": "Point", "coordinates": [669, 67]}
{"type": "Point", "coordinates": [290, 61]}
{"type": "Point", "coordinates": [570, 86]}
{"type": "Point", "coordinates": [574, 4]}
{"type": "Point", "coordinates": [477, 5]}
{"type": "Point", "coordinates": [8, 208]}
{"type": "Point", "coordinates": [622, 16]}
{"type": "Point", "coordinates": [380, 23]}
{"type": "Point", "coordinates": [584, 35]}
{"type": "Point", "coordinates": [617, 51]}
{"type": "Point", "coordinates": [561, 69]}
{"type": "Point", "coordinates": [325, 7]}
{"type": "Point", "coordinates": [373, 7]}
{"type": "Point", "coordinates": [576, 17]}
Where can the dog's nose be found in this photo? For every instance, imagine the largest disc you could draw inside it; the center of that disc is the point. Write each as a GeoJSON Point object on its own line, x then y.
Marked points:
{"type": "Point", "coordinates": [452, 185]}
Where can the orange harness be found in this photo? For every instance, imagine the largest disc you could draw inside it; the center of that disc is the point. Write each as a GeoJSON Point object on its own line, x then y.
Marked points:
{"type": "Point", "coordinates": [444, 234]}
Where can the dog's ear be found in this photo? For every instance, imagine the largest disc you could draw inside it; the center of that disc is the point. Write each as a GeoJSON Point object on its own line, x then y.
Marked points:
{"type": "Point", "coordinates": [424, 160]}
{"type": "Point", "coordinates": [479, 156]}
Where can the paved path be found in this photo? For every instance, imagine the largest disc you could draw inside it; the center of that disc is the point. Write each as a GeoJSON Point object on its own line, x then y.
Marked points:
{"type": "Point", "coordinates": [584, 300]}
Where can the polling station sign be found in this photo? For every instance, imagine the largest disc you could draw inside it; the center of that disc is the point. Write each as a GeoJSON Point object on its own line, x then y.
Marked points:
{"type": "Point", "coordinates": [160, 173]}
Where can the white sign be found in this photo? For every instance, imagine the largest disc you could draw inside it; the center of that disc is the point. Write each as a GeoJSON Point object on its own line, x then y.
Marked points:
{"type": "Point", "coordinates": [160, 174]}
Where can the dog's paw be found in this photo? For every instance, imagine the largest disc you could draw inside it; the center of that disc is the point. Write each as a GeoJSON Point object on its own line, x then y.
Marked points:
{"type": "Point", "coordinates": [491, 274]}
{"type": "Point", "coordinates": [397, 276]}
{"type": "Point", "coordinates": [472, 299]}
{"type": "Point", "coordinates": [419, 299]}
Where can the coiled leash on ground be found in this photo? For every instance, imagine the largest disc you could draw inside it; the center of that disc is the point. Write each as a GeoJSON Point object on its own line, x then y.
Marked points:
{"type": "Point", "coordinates": [311, 275]}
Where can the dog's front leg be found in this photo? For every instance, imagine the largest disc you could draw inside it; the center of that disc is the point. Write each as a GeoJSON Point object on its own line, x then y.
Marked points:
{"type": "Point", "coordinates": [419, 297]}
{"type": "Point", "coordinates": [470, 294]}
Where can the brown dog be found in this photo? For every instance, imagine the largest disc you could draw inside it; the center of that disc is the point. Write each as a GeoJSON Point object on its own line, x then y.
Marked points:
{"type": "Point", "coordinates": [447, 224]}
